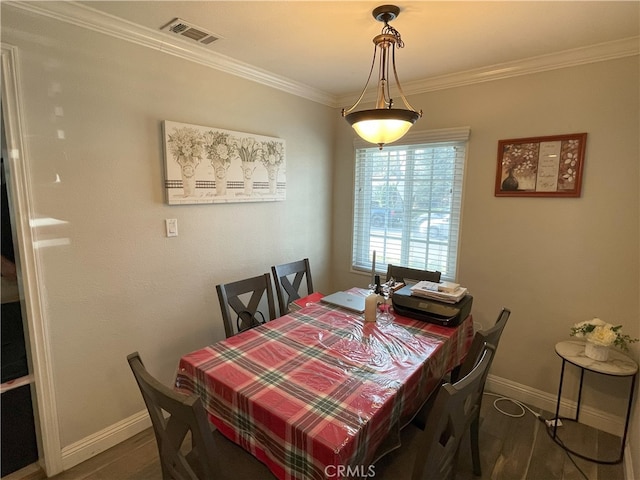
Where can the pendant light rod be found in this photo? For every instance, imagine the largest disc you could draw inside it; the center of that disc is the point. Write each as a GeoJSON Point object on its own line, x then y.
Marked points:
{"type": "Point", "coordinates": [383, 124]}
{"type": "Point", "coordinates": [364, 90]}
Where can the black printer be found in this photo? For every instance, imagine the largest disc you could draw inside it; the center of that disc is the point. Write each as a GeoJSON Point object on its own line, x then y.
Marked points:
{"type": "Point", "coordinates": [430, 310]}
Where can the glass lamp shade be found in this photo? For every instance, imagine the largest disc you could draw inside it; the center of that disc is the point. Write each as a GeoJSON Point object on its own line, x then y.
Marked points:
{"type": "Point", "coordinates": [381, 125]}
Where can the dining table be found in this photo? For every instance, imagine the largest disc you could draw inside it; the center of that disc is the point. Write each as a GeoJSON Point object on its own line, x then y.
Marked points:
{"type": "Point", "coordinates": [319, 393]}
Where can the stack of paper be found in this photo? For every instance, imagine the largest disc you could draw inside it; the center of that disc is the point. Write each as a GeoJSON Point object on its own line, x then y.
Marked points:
{"type": "Point", "coordinates": [448, 287]}
{"type": "Point", "coordinates": [444, 291]}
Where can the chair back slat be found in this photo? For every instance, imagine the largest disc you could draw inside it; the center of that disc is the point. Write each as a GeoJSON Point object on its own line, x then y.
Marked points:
{"type": "Point", "coordinates": [454, 408]}
{"type": "Point", "coordinates": [491, 336]}
{"type": "Point", "coordinates": [239, 314]}
{"type": "Point", "coordinates": [288, 279]}
{"type": "Point", "coordinates": [411, 275]}
{"type": "Point", "coordinates": [186, 414]}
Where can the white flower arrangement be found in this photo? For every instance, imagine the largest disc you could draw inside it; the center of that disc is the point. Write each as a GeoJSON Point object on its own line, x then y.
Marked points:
{"type": "Point", "coordinates": [601, 333]}
{"type": "Point", "coordinates": [272, 154]}
{"type": "Point", "coordinates": [247, 149]}
{"type": "Point", "coordinates": [218, 147]}
{"type": "Point", "coordinates": [186, 142]}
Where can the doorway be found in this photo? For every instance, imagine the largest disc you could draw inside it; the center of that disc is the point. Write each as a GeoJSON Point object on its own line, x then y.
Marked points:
{"type": "Point", "coordinates": [18, 442]}
{"type": "Point", "coordinates": [37, 345]}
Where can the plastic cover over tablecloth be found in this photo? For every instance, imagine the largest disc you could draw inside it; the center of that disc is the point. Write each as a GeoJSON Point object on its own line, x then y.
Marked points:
{"type": "Point", "coordinates": [316, 393]}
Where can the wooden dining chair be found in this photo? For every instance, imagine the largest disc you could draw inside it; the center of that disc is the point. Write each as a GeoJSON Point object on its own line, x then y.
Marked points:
{"type": "Point", "coordinates": [411, 275]}
{"type": "Point", "coordinates": [186, 415]}
{"type": "Point", "coordinates": [174, 416]}
{"type": "Point", "coordinates": [240, 303]}
{"type": "Point", "coordinates": [431, 454]}
{"type": "Point", "coordinates": [491, 337]}
{"type": "Point", "coordinates": [288, 280]}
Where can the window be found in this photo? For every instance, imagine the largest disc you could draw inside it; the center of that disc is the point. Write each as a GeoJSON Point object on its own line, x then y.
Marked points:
{"type": "Point", "coordinates": [407, 202]}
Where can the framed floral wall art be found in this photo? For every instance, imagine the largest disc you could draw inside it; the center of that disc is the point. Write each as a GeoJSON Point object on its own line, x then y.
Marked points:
{"type": "Point", "coordinates": [541, 166]}
{"type": "Point", "coordinates": [211, 165]}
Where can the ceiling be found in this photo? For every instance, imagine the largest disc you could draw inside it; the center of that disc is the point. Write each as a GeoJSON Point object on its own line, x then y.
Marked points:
{"type": "Point", "coordinates": [328, 45]}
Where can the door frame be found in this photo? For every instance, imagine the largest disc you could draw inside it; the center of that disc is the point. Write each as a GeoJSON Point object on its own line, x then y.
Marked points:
{"type": "Point", "coordinates": [28, 264]}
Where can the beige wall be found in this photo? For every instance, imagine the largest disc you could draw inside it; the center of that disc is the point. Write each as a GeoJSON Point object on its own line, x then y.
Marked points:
{"type": "Point", "coordinates": [553, 261]}
{"type": "Point", "coordinates": [116, 283]}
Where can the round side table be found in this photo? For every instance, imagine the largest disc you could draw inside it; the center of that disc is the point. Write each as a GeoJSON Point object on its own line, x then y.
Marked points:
{"type": "Point", "coordinates": [618, 365]}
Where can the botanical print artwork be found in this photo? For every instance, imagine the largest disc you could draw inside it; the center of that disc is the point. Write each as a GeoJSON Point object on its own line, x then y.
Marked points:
{"type": "Point", "coordinates": [519, 166]}
{"type": "Point", "coordinates": [542, 166]}
{"type": "Point", "coordinates": [211, 165]}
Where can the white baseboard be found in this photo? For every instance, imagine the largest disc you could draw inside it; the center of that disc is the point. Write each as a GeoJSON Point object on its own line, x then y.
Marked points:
{"type": "Point", "coordinates": [536, 398]}
{"type": "Point", "coordinates": [92, 445]}
{"type": "Point", "coordinates": [628, 464]}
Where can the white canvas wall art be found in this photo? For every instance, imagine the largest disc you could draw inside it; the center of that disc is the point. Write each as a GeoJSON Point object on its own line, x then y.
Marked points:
{"type": "Point", "coordinates": [211, 165]}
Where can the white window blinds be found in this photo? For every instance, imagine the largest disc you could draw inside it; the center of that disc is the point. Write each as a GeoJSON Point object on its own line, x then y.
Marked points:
{"type": "Point", "coordinates": [407, 202]}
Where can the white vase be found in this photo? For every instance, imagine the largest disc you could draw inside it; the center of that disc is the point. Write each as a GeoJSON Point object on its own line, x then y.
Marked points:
{"type": "Point", "coordinates": [247, 173]}
{"type": "Point", "coordinates": [273, 179]}
{"type": "Point", "coordinates": [221, 178]}
{"type": "Point", "coordinates": [188, 180]}
{"type": "Point", "coordinates": [596, 352]}
{"type": "Point", "coordinates": [188, 167]}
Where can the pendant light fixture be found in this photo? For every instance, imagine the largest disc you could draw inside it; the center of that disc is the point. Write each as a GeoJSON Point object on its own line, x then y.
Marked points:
{"type": "Point", "coordinates": [383, 124]}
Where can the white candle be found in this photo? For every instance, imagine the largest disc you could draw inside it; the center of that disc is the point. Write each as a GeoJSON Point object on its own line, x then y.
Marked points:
{"type": "Point", "coordinates": [373, 268]}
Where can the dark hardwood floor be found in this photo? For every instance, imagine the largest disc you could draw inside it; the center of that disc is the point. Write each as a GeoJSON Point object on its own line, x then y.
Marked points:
{"type": "Point", "coordinates": [521, 448]}
{"type": "Point", "coordinates": [511, 448]}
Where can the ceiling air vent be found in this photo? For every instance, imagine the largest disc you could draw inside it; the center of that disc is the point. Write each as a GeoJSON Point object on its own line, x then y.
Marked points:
{"type": "Point", "coordinates": [179, 27]}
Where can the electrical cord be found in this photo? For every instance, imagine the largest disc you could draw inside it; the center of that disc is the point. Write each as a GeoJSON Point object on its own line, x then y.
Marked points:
{"type": "Point", "coordinates": [547, 423]}
{"type": "Point", "coordinates": [564, 447]}
{"type": "Point", "coordinates": [522, 406]}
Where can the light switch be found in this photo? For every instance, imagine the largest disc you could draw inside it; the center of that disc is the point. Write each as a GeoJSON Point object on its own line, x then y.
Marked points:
{"type": "Point", "coordinates": [172, 227]}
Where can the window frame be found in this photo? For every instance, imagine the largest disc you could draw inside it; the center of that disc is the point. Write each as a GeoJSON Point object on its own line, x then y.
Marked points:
{"type": "Point", "coordinates": [361, 263]}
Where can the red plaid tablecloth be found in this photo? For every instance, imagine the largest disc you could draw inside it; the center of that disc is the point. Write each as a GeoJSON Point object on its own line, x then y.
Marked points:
{"type": "Point", "coordinates": [314, 393]}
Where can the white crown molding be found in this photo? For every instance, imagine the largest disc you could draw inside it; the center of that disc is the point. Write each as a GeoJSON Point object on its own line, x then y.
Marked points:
{"type": "Point", "coordinates": [568, 58]}
{"type": "Point", "coordinates": [91, 19]}
{"type": "Point", "coordinates": [86, 17]}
